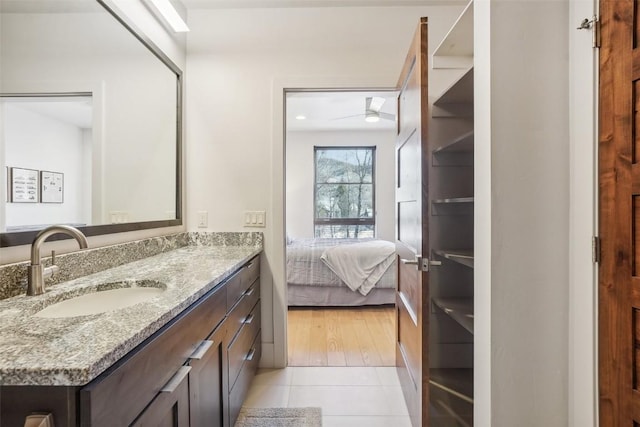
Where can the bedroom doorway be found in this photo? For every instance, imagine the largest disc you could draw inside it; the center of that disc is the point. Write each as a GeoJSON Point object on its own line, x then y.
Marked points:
{"type": "Point", "coordinates": [340, 227]}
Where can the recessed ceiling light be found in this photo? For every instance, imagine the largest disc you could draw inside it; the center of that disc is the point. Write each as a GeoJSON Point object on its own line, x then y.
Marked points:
{"type": "Point", "coordinates": [301, 117]}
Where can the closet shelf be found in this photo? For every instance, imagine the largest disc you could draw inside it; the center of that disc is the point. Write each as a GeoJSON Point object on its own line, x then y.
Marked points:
{"type": "Point", "coordinates": [459, 309]}
{"type": "Point", "coordinates": [457, 382]}
{"type": "Point", "coordinates": [462, 144]}
{"type": "Point", "coordinates": [456, 49]}
{"type": "Point", "coordinates": [454, 200]}
{"type": "Point", "coordinates": [452, 206]}
{"type": "Point", "coordinates": [460, 92]}
{"type": "Point", "coordinates": [461, 256]}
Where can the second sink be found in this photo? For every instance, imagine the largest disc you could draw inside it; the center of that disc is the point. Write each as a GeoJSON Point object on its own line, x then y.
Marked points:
{"type": "Point", "coordinates": [105, 298]}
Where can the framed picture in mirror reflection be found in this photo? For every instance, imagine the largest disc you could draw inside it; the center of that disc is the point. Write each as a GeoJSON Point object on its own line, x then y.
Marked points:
{"type": "Point", "coordinates": [24, 185]}
{"type": "Point", "coordinates": [52, 187]}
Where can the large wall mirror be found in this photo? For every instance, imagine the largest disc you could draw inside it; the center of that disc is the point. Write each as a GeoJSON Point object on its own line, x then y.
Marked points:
{"type": "Point", "coordinates": [90, 122]}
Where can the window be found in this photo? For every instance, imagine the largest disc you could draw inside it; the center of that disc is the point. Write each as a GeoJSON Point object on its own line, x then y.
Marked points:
{"type": "Point", "coordinates": [344, 192]}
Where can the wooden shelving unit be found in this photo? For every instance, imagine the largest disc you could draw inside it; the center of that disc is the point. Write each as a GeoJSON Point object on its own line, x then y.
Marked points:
{"type": "Point", "coordinates": [451, 393]}
{"type": "Point", "coordinates": [457, 381]}
{"type": "Point", "coordinates": [462, 144]}
{"type": "Point", "coordinates": [461, 256]}
{"type": "Point", "coordinates": [457, 99]}
{"type": "Point", "coordinates": [456, 48]}
{"type": "Point", "coordinates": [452, 206]}
{"type": "Point", "coordinates": [459, 309]}
{"type": "Point", "coordinates": [451, 287]}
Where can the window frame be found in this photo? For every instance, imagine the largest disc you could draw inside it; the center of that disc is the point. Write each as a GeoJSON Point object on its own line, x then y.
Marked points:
{"type": "Point", "coordinates": [345, 221]}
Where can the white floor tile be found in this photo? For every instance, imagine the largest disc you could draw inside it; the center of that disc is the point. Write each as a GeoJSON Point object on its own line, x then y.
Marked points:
{"type": "Point", "coordinates": [395, 397]}
{"type": "Point", "coordinates": [362, 421]}
{"type": "Point", "coordinates": [267, 396]}
{"type": "Point", "coordinates": [273, 377]}
{"type": "Point", "coordinates": [334, 376]}
{"type": "Point", "coordinates": [349, 400]}
{"type": "Point", "coordinates": [388, 376]}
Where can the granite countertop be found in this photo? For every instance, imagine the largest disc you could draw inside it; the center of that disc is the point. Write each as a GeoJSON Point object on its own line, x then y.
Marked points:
{"type": "Point", "coordinates": [73, 351]}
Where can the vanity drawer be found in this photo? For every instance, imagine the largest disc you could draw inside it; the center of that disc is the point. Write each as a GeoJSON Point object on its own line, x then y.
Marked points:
{"type": "Point", "coordinates": [240, 348]}
{"type": "Point", "coordinates": [240, 389]}
{"type": "Point", "coordinates": [250, 272]}
{"type": "Point", "coordinates": [240, 314]}
{"type": "Point", "coordinates": [118, 395]}
{"type": "Point", "coordinates": [242, 280]}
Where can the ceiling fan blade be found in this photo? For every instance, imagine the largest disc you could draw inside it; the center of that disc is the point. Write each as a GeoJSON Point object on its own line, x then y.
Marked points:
{"type": "Point", "coordinates": [374, 103]}
{"type": "Point", "coordinates": [347, 117]}
{"type": "Point", "coordinates": [387, 116]}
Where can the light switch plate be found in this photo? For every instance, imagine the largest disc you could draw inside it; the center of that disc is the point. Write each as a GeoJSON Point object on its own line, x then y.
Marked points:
{"type": "Point", "coordinates": [255, 219]}
{"type": "Point", "coordinates": [203, 219]}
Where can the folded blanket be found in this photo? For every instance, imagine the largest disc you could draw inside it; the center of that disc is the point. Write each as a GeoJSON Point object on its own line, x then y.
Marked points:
{"type": "Point", "coordinates": [360, 265]}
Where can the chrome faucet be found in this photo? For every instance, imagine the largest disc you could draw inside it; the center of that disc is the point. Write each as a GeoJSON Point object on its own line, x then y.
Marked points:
{"type": "Point", "coordinates": [37, 272]}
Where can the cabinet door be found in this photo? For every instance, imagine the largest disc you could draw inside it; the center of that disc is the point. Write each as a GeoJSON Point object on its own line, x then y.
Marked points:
{"type": "Point", "coordinates": [207, 382]}
{"type": "Point", "coordinates": [170, 408]}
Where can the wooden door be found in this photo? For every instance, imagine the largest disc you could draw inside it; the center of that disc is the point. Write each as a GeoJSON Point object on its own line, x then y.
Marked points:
{"type": "Point", "coordinates": [619, 215]}
{"type": "Point", "coordinates": [412, 297]}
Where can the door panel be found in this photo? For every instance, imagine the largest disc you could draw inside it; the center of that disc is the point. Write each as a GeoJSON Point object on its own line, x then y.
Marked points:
{"type": "Point", "coordinates": [412, 230]}
{"type": "Point", "coordinates": [619, 215]}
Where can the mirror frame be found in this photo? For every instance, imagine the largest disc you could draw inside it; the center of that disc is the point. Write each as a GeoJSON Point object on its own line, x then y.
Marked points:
{"type": "Point", "coordinates": [26, 237]}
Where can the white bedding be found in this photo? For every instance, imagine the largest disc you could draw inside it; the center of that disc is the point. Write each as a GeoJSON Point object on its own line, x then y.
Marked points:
{"type": "Point", "coordinates": [306, 268]}
{"type": "Point", "coordinates": [360, 265]}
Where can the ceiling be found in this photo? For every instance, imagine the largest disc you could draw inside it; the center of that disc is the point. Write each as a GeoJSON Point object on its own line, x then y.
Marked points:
{"type": "Point", "coordinates": [336, 111]}
{"type": "Point", "coordinates": [74, 110]}
{"type": "Point", "coordinates": [237, 4]}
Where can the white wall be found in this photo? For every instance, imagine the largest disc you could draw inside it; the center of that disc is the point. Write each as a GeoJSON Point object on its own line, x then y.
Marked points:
{"type": "Point", "coordinates": [300, 177]}
{"type": "Point", "coordinates": [237, 74]}
{"type": "Point", "coordinates": [175, 48]}
{"type": "Point", "coordinates": [522, 213]}
{"type": "Point", "coordinates": [60, 147]}
{"type": "Point", "coordinates": [583, 390]}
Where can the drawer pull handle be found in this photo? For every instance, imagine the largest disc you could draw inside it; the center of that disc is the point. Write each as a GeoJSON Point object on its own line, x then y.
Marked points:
{"type": "Point", "coordinates": [175, 380]}
{"type": "Point", "coordinates": [249, 292]}
{"type": "Point", "coordinates": [249, 265]}
{"type": "Point", "coordinates": [201, 350]}
{"type": "Point", "coordinates": [250, 355]}
{"type": "Point", "coordinates": [247, 320]}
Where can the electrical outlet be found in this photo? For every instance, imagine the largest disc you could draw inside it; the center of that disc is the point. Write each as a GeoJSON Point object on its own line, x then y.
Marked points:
{"type": "Point", "coordinates": [255, 218]}
{"type": "Point", "coordinates": [203, 219]}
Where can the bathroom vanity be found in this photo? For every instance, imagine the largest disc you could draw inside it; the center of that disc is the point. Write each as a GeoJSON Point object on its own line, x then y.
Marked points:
{"type": "Point", "coordinates": [186, 357]}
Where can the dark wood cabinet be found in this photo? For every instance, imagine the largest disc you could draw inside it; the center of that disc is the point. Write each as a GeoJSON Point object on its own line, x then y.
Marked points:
{"type": "Point", "coordinates": [243, 343]}
{"type": "Point", "coordinates": [170, 408]}
{"type": "Point", "coordinates": [207, 382]}
{"type": "Point", "coordinates": [179, 376]}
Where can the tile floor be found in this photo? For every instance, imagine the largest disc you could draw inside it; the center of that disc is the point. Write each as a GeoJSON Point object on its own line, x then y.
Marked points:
{"type": "Point", "coordinates": [349, 397]}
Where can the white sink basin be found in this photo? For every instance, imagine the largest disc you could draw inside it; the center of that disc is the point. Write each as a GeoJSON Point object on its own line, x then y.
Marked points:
{"type": "Point", "coordinates": [100, 301]}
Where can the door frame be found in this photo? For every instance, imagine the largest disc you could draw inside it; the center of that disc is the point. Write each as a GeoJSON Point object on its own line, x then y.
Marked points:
{"type": "Point", "coordinates": [583, 219]}
{"type": "Point", "coordinates": [275, 354]}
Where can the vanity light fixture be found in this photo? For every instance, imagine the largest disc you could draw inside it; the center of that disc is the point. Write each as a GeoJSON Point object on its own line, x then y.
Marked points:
{"type": "Point", "coordinates": [169, 14]}
{"type": "Point", "coordinates": [301, 117]}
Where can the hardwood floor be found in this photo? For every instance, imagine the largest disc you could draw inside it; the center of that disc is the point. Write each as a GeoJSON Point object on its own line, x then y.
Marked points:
{"type": "Point", "coordinates": [363, 336]}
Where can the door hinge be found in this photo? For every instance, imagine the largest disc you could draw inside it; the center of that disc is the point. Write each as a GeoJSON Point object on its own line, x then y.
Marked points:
{"type": "Point", "coordinates": [595, 249]}
{"type": "Point", "coordinates": [592, 24]}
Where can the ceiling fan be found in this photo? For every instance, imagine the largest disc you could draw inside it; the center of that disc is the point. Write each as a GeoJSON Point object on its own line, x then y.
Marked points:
{"type": "Point", "coordinates": [372, 113]}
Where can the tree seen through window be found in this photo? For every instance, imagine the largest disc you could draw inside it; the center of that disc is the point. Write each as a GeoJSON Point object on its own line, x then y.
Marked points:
{"type": "Point", "coordinates": [344, 192]}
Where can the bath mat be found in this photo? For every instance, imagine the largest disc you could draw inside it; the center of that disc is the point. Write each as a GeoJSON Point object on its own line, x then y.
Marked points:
{"type": "Point", "coordinates": [279, 417]}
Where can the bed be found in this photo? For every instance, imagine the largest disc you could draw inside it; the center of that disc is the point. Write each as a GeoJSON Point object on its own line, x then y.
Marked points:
{"type": "Point", "coordinates": [340, 272]}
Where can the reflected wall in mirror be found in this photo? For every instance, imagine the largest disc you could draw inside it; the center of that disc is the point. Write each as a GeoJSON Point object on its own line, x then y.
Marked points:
{"type": "Point", "coordinates": [80, 95]}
